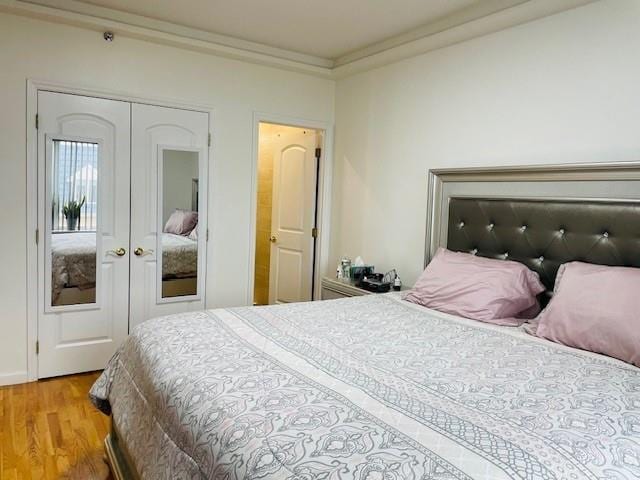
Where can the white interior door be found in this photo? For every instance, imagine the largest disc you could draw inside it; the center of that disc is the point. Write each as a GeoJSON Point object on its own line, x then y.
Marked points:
{"type": "Point", "coordinates": [292, 218]}
{"type": "Point", "coordinates": [168, 176]}
{"type": "Point", "coordinates": [83, 157]}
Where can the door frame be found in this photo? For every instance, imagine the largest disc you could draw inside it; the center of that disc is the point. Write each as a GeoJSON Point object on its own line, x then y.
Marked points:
{"type": "Point", "coordinates": [33, 86]}
{"type": "Point", "coordinates": [323, 200]}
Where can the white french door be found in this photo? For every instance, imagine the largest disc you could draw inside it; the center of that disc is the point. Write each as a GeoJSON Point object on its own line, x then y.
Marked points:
{"type": "Point", "coordinates": [168, 173]}
{"type": "Point", "coordinates": [293, 217]}
{"type": "Point", "coordinates": [122, 191]}
{"type": "Point", "coordinates": [83, 157]}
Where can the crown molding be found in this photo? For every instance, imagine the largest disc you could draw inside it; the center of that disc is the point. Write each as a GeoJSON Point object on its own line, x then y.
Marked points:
{"type": "Point", "coordinates": [469, 14]}
{"type": "Point", "coordinates": [447, 32]}
{"type": "Point", "coordinates": [484, 18]}
{"type": "Point", "coordinates": [100, 19]}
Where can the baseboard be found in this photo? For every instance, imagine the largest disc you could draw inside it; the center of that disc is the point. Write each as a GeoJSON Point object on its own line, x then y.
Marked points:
{"type": "Point", "coordinates": [13, 378]}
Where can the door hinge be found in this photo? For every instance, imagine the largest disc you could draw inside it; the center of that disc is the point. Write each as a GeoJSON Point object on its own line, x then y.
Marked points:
{"type": "Point", "coordinates": [37, 347]}
{"type": "Point", "coordinates": [207, 236]}
{"type": "Point", "coordinates": [314, 232]}
{"type": "Point", "coordinates": [209, 139]}
{"type": "Point", "coordinates": [37, 121]}
{"type": "Point", "coordinates": [37, 236]}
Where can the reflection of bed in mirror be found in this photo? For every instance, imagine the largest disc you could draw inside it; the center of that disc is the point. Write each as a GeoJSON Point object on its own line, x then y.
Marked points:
{"type": "Point", "coordinates": [179, 220]}
{"type": "Point", "coordinates": [74, 255]}
{"type": "Point", "coordinates": [73, 267]}
{"type": "Point", "coordinates": [179, 265]}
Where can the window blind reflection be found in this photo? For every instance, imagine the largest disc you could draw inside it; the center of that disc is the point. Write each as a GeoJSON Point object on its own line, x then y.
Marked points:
{"type": "Point", "coordinates": [74, 186]}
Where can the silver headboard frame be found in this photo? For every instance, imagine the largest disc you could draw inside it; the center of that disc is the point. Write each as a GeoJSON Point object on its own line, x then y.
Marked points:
{"type": "Point", "coordinates": [587, 182]}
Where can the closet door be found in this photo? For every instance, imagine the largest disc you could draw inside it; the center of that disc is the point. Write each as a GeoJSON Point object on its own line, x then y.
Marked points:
{"type": "Point", "coordinates": [168, 211]}
{"type": "Point", "coordinates": [83, 225]}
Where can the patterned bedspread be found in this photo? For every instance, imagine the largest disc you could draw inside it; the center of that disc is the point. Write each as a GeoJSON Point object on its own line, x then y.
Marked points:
{"type": "Point", "coordinates": [368, 387]}
{"type": "Point", "coordinates": [73, 261]}
{"type": "Point", "coordinates": [179, 256]}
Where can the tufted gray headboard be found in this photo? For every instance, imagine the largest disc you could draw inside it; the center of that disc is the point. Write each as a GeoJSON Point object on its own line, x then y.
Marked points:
{"type": "Point", "coordinates": [545, 234]}
{"type": "Point", "coordinates": [541, 216]}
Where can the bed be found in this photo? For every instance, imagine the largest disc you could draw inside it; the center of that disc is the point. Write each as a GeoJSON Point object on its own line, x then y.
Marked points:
{"type": "Point", "coordinates": [73, 266]}
{"type": "Point", "coordinates": [375, 387]}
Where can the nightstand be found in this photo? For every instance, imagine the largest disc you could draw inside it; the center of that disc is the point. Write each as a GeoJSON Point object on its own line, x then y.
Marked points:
{"type": "Point", "coordinates": [338, 288]}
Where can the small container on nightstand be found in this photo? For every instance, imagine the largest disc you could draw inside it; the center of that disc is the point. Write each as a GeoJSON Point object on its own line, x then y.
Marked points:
{"type": "Point", "coordinates": [333, 288]}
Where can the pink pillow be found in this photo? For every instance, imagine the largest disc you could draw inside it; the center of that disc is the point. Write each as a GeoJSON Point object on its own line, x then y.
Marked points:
{"type": "Point", "coordinates": [595, 308]}
{"type": "Point", "coordinates": [181, 222]}
{"type": "Point", "coordinates": [492, 291]}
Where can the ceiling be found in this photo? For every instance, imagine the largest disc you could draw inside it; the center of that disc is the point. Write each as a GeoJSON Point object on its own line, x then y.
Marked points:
{"type": "Point", "coordinates": [327, 29]}
{"type": "Point", "coordinates": [328, 38]}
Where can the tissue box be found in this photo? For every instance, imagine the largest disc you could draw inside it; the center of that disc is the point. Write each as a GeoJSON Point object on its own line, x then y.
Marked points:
{"type": "Point", "coordinates": [357, 272]}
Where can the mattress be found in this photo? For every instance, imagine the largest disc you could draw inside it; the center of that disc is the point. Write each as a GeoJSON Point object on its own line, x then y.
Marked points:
{"type": "Point", "coordinates": [368, 387]}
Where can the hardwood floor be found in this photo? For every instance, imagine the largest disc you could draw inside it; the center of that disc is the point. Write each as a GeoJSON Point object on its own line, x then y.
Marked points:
{"type": "Point", "coordinates": [50, 430]}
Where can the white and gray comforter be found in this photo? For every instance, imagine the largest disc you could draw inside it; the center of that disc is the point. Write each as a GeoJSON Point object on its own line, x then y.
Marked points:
{"type": "Point", "coordinates": [179, 256]}
{"type": "Point", "coordinates": [368, 388]}
{"type": "Point", "coordinates": [73, 261]}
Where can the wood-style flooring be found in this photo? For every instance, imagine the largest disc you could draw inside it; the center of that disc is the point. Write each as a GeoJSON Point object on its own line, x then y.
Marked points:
{"type": "Point", "coordinates": [50, 430]}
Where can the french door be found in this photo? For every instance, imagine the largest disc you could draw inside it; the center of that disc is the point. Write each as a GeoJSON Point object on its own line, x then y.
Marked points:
{"type": "Point", "coordinates": [121, 221]}
{"type": "Point", "coordinates": [168, 173]}
{"type": "Point", "coordinates": [83, 157]}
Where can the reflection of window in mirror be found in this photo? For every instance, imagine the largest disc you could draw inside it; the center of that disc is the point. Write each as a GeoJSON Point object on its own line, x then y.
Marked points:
{"type": "Point", "coordinates": [74, 222]}
{"type": "Point", "coordinates": [179, 242]}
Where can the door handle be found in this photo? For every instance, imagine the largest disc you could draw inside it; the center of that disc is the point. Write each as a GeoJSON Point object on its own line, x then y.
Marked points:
{"type": "Point", "coordinates": [273, 239]}
{"type": "Point", "coordinates": [141, 252]}
{"type": "Point", "coordinates": [120, 252]}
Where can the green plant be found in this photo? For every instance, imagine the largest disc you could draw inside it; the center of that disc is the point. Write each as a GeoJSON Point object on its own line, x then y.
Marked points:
{"type": "Point", "coordinates": [72, 208]}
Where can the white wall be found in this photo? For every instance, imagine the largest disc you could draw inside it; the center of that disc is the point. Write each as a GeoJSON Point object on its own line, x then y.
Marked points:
{"type": "Point", "coordinates": [179, 170]}
{"type": "Point", "coordinates": [54, 52]}
{"type": "Point", "coordinates": [562, 89]}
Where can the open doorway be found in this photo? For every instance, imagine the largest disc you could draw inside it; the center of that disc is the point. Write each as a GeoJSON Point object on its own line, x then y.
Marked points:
{"type": "Point", "coordinates": [286, 213]}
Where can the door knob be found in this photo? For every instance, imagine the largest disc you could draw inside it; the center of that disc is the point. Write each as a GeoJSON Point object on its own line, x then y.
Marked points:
{"type": "Point", "coordinates": [273, 239]}
{"type": "Point", "coordinates": [141, 251]}
{"type": "Point", "coordinates": [118, 251]}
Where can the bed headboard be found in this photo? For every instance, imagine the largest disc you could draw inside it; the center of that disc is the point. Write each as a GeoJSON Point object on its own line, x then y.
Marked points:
{"type": "Point", "coordinates": [541, 216]}
{"type": "Point", "coordinates": [545, 234]}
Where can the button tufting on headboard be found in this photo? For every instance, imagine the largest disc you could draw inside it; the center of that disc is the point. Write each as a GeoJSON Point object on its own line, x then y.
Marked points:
{"type": "Point", "coordinates": [545, 234]}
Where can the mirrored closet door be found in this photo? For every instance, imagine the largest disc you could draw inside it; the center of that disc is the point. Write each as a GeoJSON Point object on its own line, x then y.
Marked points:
{"type": "Point", "coordinates": [121, 220]}
{"type": "Point", "coordinates": [168, 211]}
